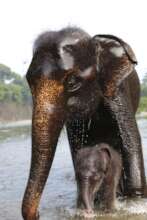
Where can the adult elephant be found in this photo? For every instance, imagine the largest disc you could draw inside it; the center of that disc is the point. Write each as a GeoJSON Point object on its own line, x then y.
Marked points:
{"type": "Point", "coordinates": [90, 85]}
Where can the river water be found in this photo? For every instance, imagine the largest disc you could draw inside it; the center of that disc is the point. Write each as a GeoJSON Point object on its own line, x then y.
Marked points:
{"type": "Point", "coordinates": [59, 197]}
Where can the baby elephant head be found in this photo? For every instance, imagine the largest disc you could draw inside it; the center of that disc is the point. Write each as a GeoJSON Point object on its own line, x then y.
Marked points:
{"type": "Point", "coordinates": [92, 164]}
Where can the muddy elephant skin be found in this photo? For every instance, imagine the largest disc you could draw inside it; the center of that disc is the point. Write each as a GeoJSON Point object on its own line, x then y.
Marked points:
{"type": "Point", "coordinates": [90, 85]}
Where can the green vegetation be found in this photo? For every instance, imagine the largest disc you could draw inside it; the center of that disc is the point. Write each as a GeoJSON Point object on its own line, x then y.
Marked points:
{"type": "Point", "coordinates": [15, 97]}
{"type": "Point", "coordinates": [143, 105]}
{"type": "Point", "coordinates": [143, 99]}
{"type": "Point", "coordinates": [13, 87]}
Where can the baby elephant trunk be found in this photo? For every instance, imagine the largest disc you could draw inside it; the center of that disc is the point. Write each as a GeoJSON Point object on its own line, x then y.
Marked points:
{"type": "Point", "coordinates": [86, 196]}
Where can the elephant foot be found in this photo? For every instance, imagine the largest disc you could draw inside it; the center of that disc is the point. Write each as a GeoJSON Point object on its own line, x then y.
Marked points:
{"type": "Point", "coordinates": [87, 214]}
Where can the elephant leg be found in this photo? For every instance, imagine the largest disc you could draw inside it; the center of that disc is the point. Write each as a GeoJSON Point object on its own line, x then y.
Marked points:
{"type": "Point", "coordinates": [48, 119]}
{"type": "Point", "coordinates": [134, 174]}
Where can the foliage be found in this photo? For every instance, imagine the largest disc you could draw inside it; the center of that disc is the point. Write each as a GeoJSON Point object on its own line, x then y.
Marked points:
{"type": "Point", "coordinates": [5, 73]}
{"type": "Point", "coordinates": [144, 86]}
{"type": "Point", "coordinates": [143, 99]}
{"type": "Point", "coordinates": [143, 104]}
{"type": "Point", "coordinates": [13, 87]}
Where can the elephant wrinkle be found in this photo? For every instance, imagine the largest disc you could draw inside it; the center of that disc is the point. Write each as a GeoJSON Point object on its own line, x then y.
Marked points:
{"type": "Point", "coordinates": [130, 138]}
{"type": "Point", "coordinates": [122, 70]}
{"type": "Point", "coordinates": [29, 209]}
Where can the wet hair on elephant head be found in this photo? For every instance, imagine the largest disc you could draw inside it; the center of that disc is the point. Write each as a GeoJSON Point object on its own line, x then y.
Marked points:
{"type": "Point", "coordinates": [98, 169]}
{"type": "Point", "coordinates": [90, 85]}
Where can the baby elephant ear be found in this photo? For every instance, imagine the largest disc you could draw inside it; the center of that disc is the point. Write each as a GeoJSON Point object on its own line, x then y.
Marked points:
{"type": "Point", "coordinates": [105, 155]}
{"type": "Point", "coordinates": [117, 61]}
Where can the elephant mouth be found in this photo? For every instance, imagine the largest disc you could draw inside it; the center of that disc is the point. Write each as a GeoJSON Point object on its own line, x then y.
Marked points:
{"type": "Point", "coordinates": [81, 108]}
{"type": "Point", "coordinates": [84, 102]}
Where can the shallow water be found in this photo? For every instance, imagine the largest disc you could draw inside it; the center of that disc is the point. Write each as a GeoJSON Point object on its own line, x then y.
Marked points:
{"type": "Point", "coordinates": [59, 198]}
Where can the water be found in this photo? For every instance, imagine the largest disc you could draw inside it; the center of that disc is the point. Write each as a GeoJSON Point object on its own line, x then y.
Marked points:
{"type": "Point", "coordinates": [59, 197]}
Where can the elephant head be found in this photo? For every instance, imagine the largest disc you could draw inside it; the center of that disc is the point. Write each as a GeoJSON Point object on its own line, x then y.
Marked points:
{"type": "Point", "coordinates": [69, 75]}
{"type": "Point", "coordinates": [114, 60]}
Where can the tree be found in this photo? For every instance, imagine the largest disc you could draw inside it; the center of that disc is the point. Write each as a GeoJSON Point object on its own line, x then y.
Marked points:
{"type": "Point", "coordinates": [144, 86]}
{"type": "Point", "coordinates": [15, 91]}
{"type": "Point", "coordinates": [144, 81]}
{"type": "Point", "coordinates": [5, 73]}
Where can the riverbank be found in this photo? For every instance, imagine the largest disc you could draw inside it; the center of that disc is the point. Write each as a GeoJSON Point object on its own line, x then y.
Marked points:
{"type": "Point", "coordinates": [12, 124]}
{"type": "Point", "coordinates": [11, 112]}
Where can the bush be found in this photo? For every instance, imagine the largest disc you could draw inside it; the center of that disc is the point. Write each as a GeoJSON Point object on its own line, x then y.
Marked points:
{"type": "Point", "coordinates": [16, 90]}
{"type": "Point", "coordinates": [143, 105]}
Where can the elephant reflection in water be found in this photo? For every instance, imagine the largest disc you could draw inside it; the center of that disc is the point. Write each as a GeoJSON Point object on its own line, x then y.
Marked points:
{"type": "Point", "coordinates": [90, 85]}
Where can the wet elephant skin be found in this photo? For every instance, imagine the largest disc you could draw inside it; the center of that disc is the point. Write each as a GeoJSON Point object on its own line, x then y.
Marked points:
{"type": "Point", "coordinates": [87, 84]}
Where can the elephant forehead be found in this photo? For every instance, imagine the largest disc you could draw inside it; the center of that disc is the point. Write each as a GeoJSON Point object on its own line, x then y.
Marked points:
{"type": "Point", "coordinates": [67, 61]}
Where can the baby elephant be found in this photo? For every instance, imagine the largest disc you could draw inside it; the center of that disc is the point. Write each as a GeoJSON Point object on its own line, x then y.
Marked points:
{"type": "Point", "coordinates": [98, 169]}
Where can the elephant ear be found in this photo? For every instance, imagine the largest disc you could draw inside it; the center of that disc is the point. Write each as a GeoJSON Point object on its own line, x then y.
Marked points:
{"type": "Point", "coordinates": [115, 62]}
{"type": "Point", "coordinates": [106, 156]}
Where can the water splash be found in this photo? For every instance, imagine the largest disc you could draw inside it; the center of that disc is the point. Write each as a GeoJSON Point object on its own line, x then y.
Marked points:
{"type": "Point", "coordinates": [134, 206]}
{"type": "Point", "coordinates": [125, 210]}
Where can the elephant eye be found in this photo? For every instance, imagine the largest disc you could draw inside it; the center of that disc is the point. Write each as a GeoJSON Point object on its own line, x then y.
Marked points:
{"type": "Point", "coordinates": [73, 83]}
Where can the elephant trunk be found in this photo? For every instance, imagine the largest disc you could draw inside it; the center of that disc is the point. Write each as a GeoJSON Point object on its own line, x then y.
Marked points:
{"type": "Point", "coordinates": [47, 122]}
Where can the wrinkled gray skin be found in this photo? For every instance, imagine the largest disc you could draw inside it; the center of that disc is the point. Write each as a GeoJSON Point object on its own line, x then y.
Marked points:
{"type": "Point", "coordinates": [90, 85]}
{"type": "Point", "coordinates": [98, 169]}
